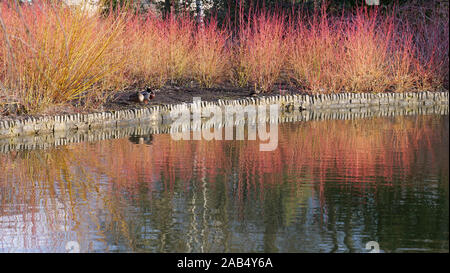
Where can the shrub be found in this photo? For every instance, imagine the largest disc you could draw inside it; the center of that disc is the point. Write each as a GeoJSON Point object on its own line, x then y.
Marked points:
{"type": "Point", "coordinates": [259, 55]}
{"type": "Point", "coordinates": [56, 54]}
{"type": "Point", "coordinates": [211, 56]}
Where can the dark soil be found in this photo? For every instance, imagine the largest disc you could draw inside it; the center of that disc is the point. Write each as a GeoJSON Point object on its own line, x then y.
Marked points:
{"type": "Point", "coordinates": [176, 95]}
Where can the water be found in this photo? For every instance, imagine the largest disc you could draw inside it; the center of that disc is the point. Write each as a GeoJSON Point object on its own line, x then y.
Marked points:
{"type": "Point", "coordinates": [331, 186]}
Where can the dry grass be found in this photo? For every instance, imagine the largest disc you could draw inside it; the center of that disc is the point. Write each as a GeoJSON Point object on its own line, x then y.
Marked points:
{"type": "Point", "coordinates": [57, 54]}
{"type": "Point", "coordinates": [313, 55]}
{"type": "Point", "coordinates": [54, 55]}
{"type": "Point", "coordinates": [158, 51]}
{"type": "Point", "coordinates": [366, 52]}
{"type": "Point", "coordinates": [211, 56]}
{"type": "Point", "coordinates": [260, 54]}
{"type": "Point", "coordinates": [430, 26]}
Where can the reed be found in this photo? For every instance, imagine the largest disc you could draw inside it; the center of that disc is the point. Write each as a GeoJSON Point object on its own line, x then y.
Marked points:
{"type": "Point", "coordinates": [55, 56]}
{"type": "Point", "coordinates": [259, 54]}
{"type": "Point", "coordinates": [211, 55]}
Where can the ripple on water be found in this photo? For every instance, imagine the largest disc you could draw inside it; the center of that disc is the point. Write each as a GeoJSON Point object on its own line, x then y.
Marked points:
{"type": "Point", "coordinates": [330, 186]}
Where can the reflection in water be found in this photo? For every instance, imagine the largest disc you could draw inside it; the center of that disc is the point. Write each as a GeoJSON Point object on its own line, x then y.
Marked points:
{"type": "Point", "coordinates": [141, 139]}
{"type": "Point", "coordinates": [331, 186]}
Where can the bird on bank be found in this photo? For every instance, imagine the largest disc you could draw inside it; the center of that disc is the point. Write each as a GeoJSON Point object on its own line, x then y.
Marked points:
{"type": "Point", "coordinates": [143, 96]}
{"type": "Point", "coordinates": [141, 139]}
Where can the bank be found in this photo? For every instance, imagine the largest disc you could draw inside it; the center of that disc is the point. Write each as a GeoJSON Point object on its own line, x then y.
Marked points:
{"type": "Point", "coordinates": [160, 114]}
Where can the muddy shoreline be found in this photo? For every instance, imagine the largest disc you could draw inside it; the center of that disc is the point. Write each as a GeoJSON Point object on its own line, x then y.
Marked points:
{"type": "Point", "coordinates": [164, 96]}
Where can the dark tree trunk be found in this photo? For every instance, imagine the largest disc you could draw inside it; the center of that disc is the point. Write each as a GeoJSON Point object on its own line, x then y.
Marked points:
{"type": "Point", "coordinates": [167, 6]}
{"type": "Point", "coordinates": [200, 13]}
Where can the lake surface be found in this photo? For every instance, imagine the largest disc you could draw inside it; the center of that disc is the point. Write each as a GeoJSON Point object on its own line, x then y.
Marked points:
{"type": "Point", "coordinates": [330, 186]}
